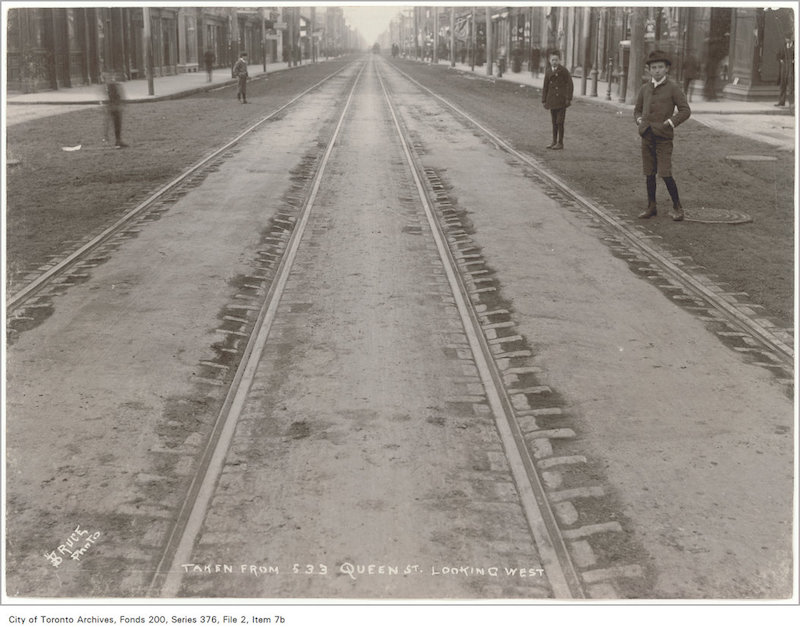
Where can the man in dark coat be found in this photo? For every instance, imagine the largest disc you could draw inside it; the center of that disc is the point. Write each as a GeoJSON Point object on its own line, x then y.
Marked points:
{"type": "Point", "coordinates": [114, 104]}
{"type": "Point", "coordinates": [240, 72]}
{"type": "Point", "coordinates": [657, 118]}
{"type": "Point", "coordinates": [208, 61]}
{"type": "Point", "coordinates": [557, 96]}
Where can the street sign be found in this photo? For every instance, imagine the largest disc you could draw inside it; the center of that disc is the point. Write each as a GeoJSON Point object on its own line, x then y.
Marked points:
{"type": "Point", "coordinates": [275, 37]}
{"type": "Point", "coordinates": [281, 25]}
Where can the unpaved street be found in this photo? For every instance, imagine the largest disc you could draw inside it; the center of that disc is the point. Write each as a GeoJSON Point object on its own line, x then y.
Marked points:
{"type": "Point", "coordinates": [105, 414]}
{"type": "Point", "coordinates": [698, 443]}
{"type": "Point", "coordinates": [360, 468]}
{"type": "Point", "coordinates": [366, 463]}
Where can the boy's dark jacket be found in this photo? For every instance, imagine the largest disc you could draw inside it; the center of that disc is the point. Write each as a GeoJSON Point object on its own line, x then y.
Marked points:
{"type": "Point", "coordinates": [557, 88]}
{"type": "Point", "coordinates": [240, 68]}
{"type": "Point", "coordinates": [656, 105]}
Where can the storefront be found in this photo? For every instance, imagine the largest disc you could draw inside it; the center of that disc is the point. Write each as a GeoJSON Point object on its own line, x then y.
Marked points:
{"type": "Point", "coordinates": [756, 37]}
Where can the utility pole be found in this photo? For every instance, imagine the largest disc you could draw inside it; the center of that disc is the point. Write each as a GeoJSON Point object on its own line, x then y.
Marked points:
{"type": "Point", "coordinates": [290, 24]}
{"type": "Point", "coordinates": [452, 36]}
{"type": "Point", "coordinates": [311, 34]}
{"type": "Point", "coordinates": [513, 33]}
{"type": "Point", "coordinates": [636, 63]}
{"type": "Point", "coordinates": [235, 46]}
{"type": "Point", "coordinates": [587, 30]}
{"type": "Point", "coordinates": [489, 42]}
{"type": "Point", "coordinates": [436, 34]}
{"type": "Point", "coordinates": [416, 33]}
{"type": "Point", "coordinates": [298, 58]}
{"type": "Point", "coordinates": [263, 37]}
{"type": "Point", "coordinates": [148, 51]}
{"type": "Point", "coordinates": [472, 37]}
{"type": "Point", "coordinates": [609, 12]}
{"type": "Point", "coordinates": [595, 29]}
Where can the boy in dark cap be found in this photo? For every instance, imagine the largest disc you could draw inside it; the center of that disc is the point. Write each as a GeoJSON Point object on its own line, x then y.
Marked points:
{"type": "Point", "coordinates": [557, 96]}
{"type": "Point", "coordinates": [240, 72]}
{"type": "Point", "coordinates": [656, 117]}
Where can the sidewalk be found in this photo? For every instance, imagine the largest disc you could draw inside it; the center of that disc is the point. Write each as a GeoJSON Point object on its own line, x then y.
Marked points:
{"type": "Point", "coordinates": [760, 120]}
{"type": "Point", "coordinates": [698, 104]}
{"type": "Point", "coordinates": [756, 120]}
{"type": "Point", "coordinates": [164, 88]}
{"type": "Point", "coordinates": [47, 103]}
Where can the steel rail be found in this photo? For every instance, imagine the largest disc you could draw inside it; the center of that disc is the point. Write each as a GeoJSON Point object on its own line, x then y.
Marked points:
{"type": "Point", "coordinates": [18, 298]}
{"type": "Point", "coordinates": [732, 314]}
{"type": "Point", "coordinates": [557, 563]}
{"type": "Point", "coordinates": [167, 578]}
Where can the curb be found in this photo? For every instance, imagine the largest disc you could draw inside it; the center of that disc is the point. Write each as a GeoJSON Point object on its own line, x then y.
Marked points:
{"type": "Point", "coordinates": [600, 99]}
{"type": "Point", "coordinates": [173, 96]}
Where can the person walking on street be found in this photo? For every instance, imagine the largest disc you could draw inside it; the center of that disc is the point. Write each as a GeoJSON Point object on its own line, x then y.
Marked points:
{"type": "Point", "coordinates": [557, 96]}
{"type": "Point", "coordinates": [689, 74]}
{"type": "Point", "coordinates": [114, 105]}
{"type": "Point", "coordinates": [240, 72]}
{"type": "Point", "coordinates": [536, 58]}
{"type": "Point", "coordinates": [656, 118]}
{"type": "Point", "coordinates": [208, 60]}
{"type": "Point", "coordinates": [786, 72]}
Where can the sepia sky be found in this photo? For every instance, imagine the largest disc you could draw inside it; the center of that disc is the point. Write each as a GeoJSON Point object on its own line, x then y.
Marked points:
{"type": "Point", "coordinates": [371, 19]}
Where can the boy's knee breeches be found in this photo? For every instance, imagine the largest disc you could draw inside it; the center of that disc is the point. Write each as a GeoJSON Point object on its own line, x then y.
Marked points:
{"type": "Point", "coordinates": [557, 116]}
{"type": "Point", "coordinates": [656, 155]}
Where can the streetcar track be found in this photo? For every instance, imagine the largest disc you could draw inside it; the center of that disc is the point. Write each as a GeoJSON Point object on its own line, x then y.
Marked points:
{"type": "Point", "coordinates": [167, 193]}
{"type": "Point", "coordinates": [737, 315]}
{"type": "Point", "coordinates": [167, 577]}
{"type": "Point", "coordinates": [535, 427]}
{"type": "Point", "coordinates": [560, 572]}
{"type": "Point", "coordinates": [555, 557]}
{"type": "Point", "coordinates": [239, 326]}
{"type": "Point", "coordinates": [492, 339]}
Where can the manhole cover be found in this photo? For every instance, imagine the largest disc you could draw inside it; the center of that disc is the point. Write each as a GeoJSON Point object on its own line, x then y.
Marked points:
{"type": "Point", "coordinates": [751, 158]}
{"type": "Point", "coordinates": [710, 215]}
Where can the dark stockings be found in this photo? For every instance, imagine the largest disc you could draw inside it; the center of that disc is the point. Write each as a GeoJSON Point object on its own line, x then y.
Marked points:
{"type": "Point", "coordinates": [651, 189]}
{"type": "Point", "coordinates": [558, 133]}
{"type": "Point", "coordinates": [672, 188]}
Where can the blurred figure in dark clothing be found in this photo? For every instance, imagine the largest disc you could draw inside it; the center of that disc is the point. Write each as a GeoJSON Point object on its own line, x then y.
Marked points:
{"type": "Point", "coordinates": [114, 102]}
{"type": "Point", "coordinates": [240, 73]}
{"type": "Point", "coordinates": [690, 71]}
{"type": "Point", "coordinates": [208, 60]}
{"type": "Point", "coordinates": [786, 72]}
{"type": "Point", "coordinates": [536, 59]}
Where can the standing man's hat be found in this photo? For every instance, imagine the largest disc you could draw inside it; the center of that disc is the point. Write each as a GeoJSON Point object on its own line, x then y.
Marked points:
{"type": "Point", "coordinates": [657, 55]}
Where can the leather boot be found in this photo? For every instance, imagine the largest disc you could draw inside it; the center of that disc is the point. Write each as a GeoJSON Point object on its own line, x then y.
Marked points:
{"type": "Point", "coordinates": [650, 212]}
{"type": "Point", "coordinates": [677, 213]}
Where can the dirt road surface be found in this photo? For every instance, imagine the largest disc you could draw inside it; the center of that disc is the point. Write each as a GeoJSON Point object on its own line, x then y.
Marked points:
{"type": "Point", "coordinates": [354, 424]}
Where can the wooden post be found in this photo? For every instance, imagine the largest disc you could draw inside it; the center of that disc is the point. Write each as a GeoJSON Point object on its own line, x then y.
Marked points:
{"type": "Point", "coordinates": [472, 37]}
{"type": "Point", "coordinates": [452, 36]}
{"type": "Point", "coordinates": [416, 33]}
{"type": "Point", "coordinates": [587, 25]}
{"type": "Point", "coordinates": [436, 34]}
{"type": "Point", "coordinates": [489, 42]}
{"type": "Point", "coordinates": [148, 51]}
{"type": "Point", "coordinates": [636, 64]}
